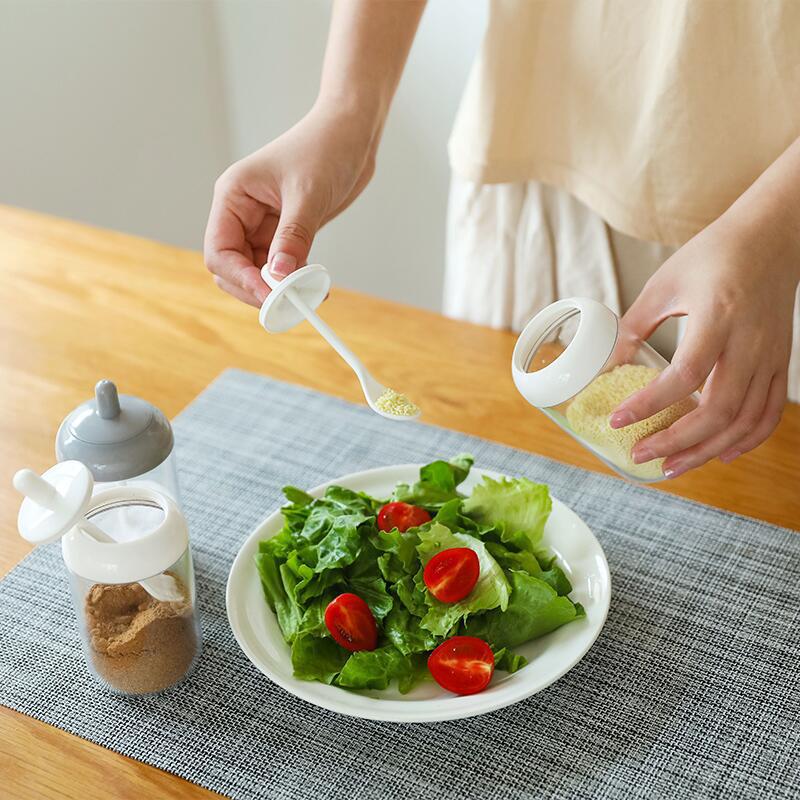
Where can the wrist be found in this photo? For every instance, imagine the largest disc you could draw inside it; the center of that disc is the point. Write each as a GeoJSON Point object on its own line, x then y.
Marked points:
{"type": "Point", "coordinates": [360, 119]}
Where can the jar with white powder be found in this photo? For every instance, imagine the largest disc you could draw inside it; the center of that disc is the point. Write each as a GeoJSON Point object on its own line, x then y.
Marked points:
{"type": "Point", "coordinates": [573, 363]}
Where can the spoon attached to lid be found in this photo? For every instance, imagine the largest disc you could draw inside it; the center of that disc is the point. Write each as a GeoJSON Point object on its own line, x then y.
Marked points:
{"type": "Point", "coordinates": [47, 514]}
{"type": "Point", "coordinates": [296, 298]}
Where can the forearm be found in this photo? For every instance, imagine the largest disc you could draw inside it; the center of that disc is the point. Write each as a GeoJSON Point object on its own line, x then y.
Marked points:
{"type": "Point", "coordinates": [768, 213]}
{"type": "Point", "coordinates": [368, 44]}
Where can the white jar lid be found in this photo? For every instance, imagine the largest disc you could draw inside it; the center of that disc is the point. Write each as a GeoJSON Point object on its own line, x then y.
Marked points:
{"type": "Point", "coordinates": [60, 504]}
{"type": "Point", "coordinates": [127, 561]}
{"type": "Point", "coordinates": [582, 359]}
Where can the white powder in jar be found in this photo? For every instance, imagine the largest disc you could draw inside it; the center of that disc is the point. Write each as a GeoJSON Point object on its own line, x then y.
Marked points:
{"type": "Point", "coordinates": [588, 415]}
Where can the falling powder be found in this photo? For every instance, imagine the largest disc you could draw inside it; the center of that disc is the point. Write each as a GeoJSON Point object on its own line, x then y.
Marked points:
{"type": "Point", "coordinates": [589, 412]}
{"type": "Point", "coordinates": [396, 404]}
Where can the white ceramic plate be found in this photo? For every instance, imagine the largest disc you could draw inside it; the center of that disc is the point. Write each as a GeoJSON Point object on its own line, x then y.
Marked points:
{"type": "Point", "coordinates": [579, 554]}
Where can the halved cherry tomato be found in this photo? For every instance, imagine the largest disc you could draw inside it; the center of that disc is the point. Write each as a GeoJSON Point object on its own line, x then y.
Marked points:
{"type": "Point", "coordinates": [452, 574]}
{"type": "Point", "coordinates": [401, 516]}
{"type": "Point", "coordinates": [351, 623]}
{"type": "Point", "coordinates": [462, 665]}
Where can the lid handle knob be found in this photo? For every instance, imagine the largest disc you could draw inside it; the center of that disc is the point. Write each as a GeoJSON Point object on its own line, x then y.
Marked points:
{"type": "Point", "coordinates": [107, 398]}
{"type": "Point", "coordinates": [27, 482]}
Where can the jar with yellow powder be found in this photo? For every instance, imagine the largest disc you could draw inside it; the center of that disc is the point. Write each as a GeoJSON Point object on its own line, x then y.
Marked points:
{"type": "Point", "coordinates": [573, 363]}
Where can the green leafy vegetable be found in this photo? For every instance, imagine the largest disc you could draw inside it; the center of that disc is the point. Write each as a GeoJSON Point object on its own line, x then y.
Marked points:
{"type": "Point", "coordinates": [330, 545]}
{"type": "Point", "coordinates": [437, 483]}
{"type": "Point", "coordinates": [535, 609]}
{"type": "Point", "coordinates": [519, 508]}
{"type": "Point", "coordinates": [491, 590]}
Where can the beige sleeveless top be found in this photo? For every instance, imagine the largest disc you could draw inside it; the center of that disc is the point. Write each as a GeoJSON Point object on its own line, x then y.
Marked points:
{"type": "Point", "coordinates": [657, 114]}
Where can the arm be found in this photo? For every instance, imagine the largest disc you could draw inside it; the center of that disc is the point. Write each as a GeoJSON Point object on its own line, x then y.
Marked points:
{"type": "Point", "coordinates": [736, 280]}
{"type": "Point", "coordinates": [269, 206]}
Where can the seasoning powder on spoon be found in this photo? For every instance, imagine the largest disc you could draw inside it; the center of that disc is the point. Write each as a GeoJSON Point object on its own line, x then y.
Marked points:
{"type": "Point", "coordinates": [396, 404]}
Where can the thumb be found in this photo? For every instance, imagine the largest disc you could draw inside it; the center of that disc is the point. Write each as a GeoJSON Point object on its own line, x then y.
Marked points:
{"type": "Point", "coordinates": [653, 305]}
{"type": "Point", "coordinates": [297, 226]}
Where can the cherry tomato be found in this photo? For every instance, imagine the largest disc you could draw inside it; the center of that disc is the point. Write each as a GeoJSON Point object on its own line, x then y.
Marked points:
{"type": "Point", "coordinates": [452, 574]}
{"type": "Point", "coordinates": [351, 623]}
{"type": "Point", "coordinates": [462, 665]}
{"type": "Point", "coordinates": [401, 516]}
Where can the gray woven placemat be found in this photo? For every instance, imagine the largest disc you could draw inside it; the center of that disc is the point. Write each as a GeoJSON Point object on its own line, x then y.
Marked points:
{"type": "Point", "coordinates": [691, 690]}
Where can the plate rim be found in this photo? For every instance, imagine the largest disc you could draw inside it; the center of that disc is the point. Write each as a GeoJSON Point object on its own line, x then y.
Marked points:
{"type": "Point", "coordinates": [390, 710]}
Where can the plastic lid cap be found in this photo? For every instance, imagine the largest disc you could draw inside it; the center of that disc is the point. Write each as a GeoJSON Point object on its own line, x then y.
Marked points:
{"type": "Point", "coordinates": [117, 436]}
{"type": "Point", "coordinates": [278, 314]}
{"type": "Point", "coordinates": [54, 502]}
{"type": "Point", "coordinates": [582, 359]}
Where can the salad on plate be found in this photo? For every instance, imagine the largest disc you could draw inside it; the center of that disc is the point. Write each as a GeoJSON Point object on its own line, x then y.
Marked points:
{"type": "Point", "coordinates": [426, 583]}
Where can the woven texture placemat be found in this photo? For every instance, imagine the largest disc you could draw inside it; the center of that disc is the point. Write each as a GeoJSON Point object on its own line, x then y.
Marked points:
{"type": "Point", "coordinates": [690, 691]}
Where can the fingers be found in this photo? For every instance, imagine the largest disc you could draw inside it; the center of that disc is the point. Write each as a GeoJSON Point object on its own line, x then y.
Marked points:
{"type": "Point", "coordinates": [723, 398]}
{"type": "Point", "coordinates": [694, 359]}
{"type": "Point", "coordinates": [237, 234]}
{"type": "Point", "coordinates": [776, 400]}
{"type": "Point", "coordinates": [300, 219]}
{"type": "Point", "coordinates": [236, 291]}
{"type": "Point", "coordinates": [648, 311]}
{"type": "Point", "coordinates": [710, 445]}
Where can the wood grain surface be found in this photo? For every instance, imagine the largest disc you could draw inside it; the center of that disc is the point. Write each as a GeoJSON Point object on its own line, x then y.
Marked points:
{"type": "Point", "coordinates": [78, 304]}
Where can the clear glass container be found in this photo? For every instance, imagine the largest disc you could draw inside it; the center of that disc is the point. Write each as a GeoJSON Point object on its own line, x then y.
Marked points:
{"type": "Point", "coordinates": [163, 477]}
{"type": "Point", "coordinates": [134, 598]}
{"type": "Point", "coordinates": [574, 363]}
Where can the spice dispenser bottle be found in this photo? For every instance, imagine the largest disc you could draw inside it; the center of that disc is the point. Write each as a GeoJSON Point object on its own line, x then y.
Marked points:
{"type": "Point", "coordinates": [132, 586]}
{"type": "Point", "coordinates": [574, 364]}
{"type": "Point", "coordinates": [121, 439]}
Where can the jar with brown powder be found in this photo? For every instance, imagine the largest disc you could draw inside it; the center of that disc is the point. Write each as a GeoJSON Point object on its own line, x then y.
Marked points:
{"type": "Point", "coordinates": [130, 568]}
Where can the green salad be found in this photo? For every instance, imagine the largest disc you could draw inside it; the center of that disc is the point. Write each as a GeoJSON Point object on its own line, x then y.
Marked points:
{"type": "Point", "coordinates": [428, 582]}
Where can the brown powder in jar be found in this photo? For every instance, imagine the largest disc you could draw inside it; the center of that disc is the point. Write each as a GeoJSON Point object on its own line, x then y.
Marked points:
{"type": "Point", "coordinates": [139, 644]}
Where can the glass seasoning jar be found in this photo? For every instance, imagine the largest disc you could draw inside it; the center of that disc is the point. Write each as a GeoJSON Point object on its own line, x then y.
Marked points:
{"type": "Point", "coordinates": [122, 440]}
{"type": "Point", "coordinates": [132, 585]}
{"type": "Point", "coordinates": [573, 363]}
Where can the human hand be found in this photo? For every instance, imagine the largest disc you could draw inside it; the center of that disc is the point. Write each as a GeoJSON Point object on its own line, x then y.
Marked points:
{"type": "Point", "coordinates": [736, 283]}
{"type": "Point", "coordinates": [268, 207]}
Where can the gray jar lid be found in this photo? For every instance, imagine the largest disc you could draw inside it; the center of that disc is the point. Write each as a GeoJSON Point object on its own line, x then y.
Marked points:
{"type": "Point", "coordinates": [116, 436]}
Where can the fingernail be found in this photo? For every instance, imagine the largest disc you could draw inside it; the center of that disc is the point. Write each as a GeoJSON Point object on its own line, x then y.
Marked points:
{"type": "Point", "coordinates": [729, 456]}
{"type": "Point", "coordinates": [282, 264]}
{"type": "Point", "coordinates": [673, 470]}
{"type": "Point", "coordinates": [642, 454]}
{"type": "Point", "coordinates": [619, 419]}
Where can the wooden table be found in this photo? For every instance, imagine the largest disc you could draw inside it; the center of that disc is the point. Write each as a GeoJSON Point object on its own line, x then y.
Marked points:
{"type": "Point", "coordinates": [78, 304]}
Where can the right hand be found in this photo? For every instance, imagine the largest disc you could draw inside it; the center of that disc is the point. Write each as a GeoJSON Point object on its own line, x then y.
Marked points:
{"type": "Point", "coordinates": [268, 207]}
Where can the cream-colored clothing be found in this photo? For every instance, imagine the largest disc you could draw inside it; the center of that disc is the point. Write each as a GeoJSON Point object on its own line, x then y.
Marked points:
{"type": "Point", "coordinates": [512, 248]}
{"type": "Point", "coordinates": [657, 114]}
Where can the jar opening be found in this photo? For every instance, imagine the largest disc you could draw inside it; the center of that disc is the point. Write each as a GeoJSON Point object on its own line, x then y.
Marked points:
{"type": "Point", "coordinates": [554, 341]}
{"type": "Point", "coordinates": [127, 520]}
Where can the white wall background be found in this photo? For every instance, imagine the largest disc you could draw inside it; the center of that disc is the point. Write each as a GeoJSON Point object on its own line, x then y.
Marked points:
{"type": "Point", "coordinates": [122, 112]}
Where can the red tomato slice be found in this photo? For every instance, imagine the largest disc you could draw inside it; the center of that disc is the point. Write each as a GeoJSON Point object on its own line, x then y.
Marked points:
{"type": "Point", "coordinates": [462, 665]}
{"type": "Point", "coordinates": [351, 623]}
{"type": "Point", "coordinates": [401, 516]}
{"type": "Point", "coordinates": [452, 574]}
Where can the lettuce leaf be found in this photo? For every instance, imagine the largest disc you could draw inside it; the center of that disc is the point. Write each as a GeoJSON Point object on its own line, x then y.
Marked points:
{"type": "Point", "coordinates": [518, 508]}
{"type": "Point", "coordinates": [437, 483]}
{"type": "Point", "coordinates": [508, 661]}
{"type": "Point", "coordinates": [535, 608]}
{"type": "Point", "coordinates": [404, 632]}
{"type": "Point", "coordinates": [315, 659]}
{"type": "Point", "coordinates": [376, 669]}
{"type": "Point", "coordinates": [527, 562]}
{"type": "Point", "coordinates": [491, 590]}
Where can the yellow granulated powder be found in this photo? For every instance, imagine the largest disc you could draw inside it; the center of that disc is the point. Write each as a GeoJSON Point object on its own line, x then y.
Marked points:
{"type": "Point", "coordinates": [392, 402]}
{"type": "Point", "coordinates": [589, 412]}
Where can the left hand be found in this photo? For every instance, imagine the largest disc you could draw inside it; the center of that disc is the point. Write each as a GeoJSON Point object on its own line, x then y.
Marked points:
{"type": "Point", "coordinates": [736, 283]}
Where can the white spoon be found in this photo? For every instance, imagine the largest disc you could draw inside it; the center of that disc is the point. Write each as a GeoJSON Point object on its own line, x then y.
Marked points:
{"type": "Point", "coordinates": [295, 298]}
{"type": "Point", "coordinates": [43, 493]}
